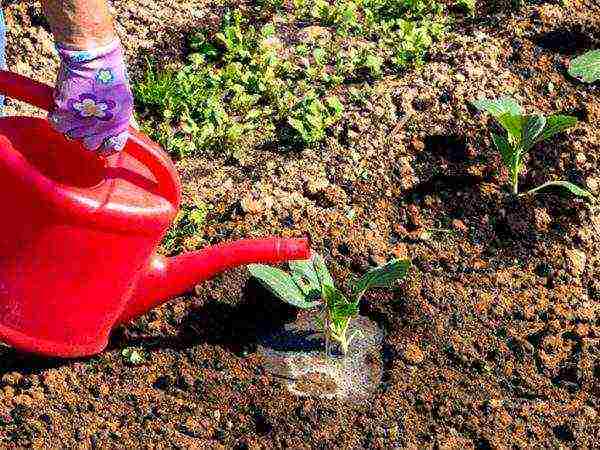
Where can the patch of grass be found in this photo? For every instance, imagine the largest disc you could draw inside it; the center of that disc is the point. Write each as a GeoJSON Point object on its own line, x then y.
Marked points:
{"type": "Point", "coordinates": [286, 81]}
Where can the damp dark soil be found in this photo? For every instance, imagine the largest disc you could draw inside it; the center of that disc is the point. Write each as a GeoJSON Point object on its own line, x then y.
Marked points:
{"type": "Point", "coordinates": [316, 383]}
{"type": "Point", "coordinates": [493, 340]}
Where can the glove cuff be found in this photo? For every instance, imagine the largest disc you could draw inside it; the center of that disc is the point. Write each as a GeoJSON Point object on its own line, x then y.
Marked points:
{"type": "Point", "coordinates": [72, 55]}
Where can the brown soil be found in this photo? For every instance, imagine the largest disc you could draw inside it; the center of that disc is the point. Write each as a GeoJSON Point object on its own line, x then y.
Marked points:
{"type": "Point", "coordinates": [492, 342]}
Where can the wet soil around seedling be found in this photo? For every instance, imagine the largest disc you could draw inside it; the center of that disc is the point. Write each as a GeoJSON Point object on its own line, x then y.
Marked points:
{"type": "Point", "coordinates": [297, 353]}
{"type": "Point", "coordinates": [493, 340]}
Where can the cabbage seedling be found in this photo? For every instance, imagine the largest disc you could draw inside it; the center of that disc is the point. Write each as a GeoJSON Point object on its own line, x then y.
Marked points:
{"type": "Point", "coordinates": [523, 133]}
{"type": "Point", "coordinates": [309, 285]}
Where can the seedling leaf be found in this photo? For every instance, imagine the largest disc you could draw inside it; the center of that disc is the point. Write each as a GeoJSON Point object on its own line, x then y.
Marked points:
{"type": "Point", "coordinates": [586, 67]}
{"type": "Point", "coordinates": [382, 276]}
{"type": "Point", "coordinates": [512, 124]}
{"type": "Point", "coordinates": [504, 148]}
{"type": "Point", "coordinates": [573, 188]}
{"type": "Point", "coordinates": [281, 284]}
{"type": "Point", "coordinates": [322, 271]}
{"type": "Point", "coordinates": [306, 278]}
{"type": "Point", "coordinates": [557, 124]}
{"type": "Point", "coordinates": [532, 129]}
{"type": "Point", "coordinates": [339, 306]}
{"type": "Point", "coordinates": [499, 107]}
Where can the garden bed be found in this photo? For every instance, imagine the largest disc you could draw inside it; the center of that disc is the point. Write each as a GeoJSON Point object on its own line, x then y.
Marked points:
{"type": "Point", "coordinates": [493, 339]}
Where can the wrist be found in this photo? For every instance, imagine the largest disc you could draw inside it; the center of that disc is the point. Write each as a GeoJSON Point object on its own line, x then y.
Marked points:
{"type": "Point", "coordinates": [80, 24]}
{"type": "Point", "coordinates": [84, 43]}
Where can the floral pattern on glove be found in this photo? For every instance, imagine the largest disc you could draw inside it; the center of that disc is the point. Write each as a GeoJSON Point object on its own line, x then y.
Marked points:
{"type": "Point", "coordinates": [89, 106]}
{"type": "Point", "coordinates": [93, 100]}
{"type": "Point", "coordinates": [105, 76]}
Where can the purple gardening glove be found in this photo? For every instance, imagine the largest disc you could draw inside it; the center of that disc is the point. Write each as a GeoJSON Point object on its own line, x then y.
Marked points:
{"type": "Point", "coordinates": [93, 100]}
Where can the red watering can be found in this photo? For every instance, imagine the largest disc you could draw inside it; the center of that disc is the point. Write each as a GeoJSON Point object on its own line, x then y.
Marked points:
{"type": "Point", "coordinates": [79, 233]}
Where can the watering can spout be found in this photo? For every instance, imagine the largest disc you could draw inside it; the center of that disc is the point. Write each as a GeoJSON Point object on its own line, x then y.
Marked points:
{"type": "Point", "coordinates": [165, 278]}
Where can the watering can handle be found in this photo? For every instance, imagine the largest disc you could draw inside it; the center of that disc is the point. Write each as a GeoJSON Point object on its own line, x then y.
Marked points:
{"type": "Point", "coordinates": [147, 152]}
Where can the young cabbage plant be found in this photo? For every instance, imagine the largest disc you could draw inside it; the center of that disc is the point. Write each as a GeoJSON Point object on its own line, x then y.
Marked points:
{"type": "Point", "coordinates": [310, 285]}
{"type": "Point", "coordinates": [524, 131]}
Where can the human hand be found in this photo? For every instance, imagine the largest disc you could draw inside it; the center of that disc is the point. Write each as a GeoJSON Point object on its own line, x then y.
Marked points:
{"type": "Point", "coordinates": [93, 100]}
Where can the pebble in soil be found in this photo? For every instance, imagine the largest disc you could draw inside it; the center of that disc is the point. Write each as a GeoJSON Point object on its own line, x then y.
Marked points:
{"type": "Point", "coordinates": [296, 353]}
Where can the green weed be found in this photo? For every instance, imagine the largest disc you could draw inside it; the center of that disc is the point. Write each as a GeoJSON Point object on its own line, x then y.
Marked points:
{"type": "Point", "coordinates": [187, 224]}
{"type": "Point", "coordinates": [243, 85]}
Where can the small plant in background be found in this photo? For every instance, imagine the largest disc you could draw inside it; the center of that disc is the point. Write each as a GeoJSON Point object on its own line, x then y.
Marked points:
{"type": "Point", "coordinates": [311, 118]}
{"type": "Point", "coordinates": [523, 133]}
{"type": "Point", "coordinates": [133, 356]}
{"type": "Point", "coordinates": [309, 285]}
{"type": "Point", "coordinates": [186, 226]}
{"type": "Point", "coordinates": [468, 6]}
{"type": "Point", "coordinates": [586, 67]}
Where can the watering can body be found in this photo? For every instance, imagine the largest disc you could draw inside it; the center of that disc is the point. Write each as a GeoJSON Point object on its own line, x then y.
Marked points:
{"type": "Point", "coordinates": [79, 234]}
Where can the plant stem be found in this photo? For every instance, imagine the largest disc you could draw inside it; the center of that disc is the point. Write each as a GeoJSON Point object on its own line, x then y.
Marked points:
{"type": "Point", "coordinates": [515, 182]}
{"type": "Point", "coordinates": [326, 333]}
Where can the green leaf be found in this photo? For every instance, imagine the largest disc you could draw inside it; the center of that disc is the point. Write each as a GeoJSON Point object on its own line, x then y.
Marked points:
{"type": "Point", "coordinates": [557, 124]}
{"type": "Point", "coordinates": [338, 305]}
{"type": "Point", "coordinates": [305, 269]}
{"type": "Point", "coordinates": [133, 356]}
{"type": "Point", "coordinates": [319, 55]}
{"type": "Point", "coordinates": [305, 277]}
{"type": "Point", "coordinates": [586, 67]}
{"type": "Point", "coordinates": [499, 107]}
{"type": "Point", "coordinates": [573, 188]}
{"type": "Point", "coordinates": [268, 30]}
{"type": "Point", "coordinates": [504, 147]}
{"type": "Point", "coordinates": [383, 276]}
{"type": "Point", "coordinates": [197, 216]}
{"type": "Point", "coordinates": [335, 104]}
{"type": "Point", "coordinates": [532, 129]}
{"type": "Point", "coordinates": [322, 271]}
{"type": "Point", "coordinates": [281, 284]}
{"type": "Point", "coordinates": [297, 125]}
{"type": "Point", "coordinates": [513, 125]}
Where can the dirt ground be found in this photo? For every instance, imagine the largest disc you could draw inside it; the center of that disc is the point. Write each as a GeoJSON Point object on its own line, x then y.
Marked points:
{"type": "Point", "coordinates": [493, 341]}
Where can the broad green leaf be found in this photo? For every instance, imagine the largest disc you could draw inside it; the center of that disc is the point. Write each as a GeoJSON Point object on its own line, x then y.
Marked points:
{"type": "Point", "coordinates": [557, 124]}
{"type": "Point", "coordinates": [280, 283]}
{"type": "Point", "coordinates": [513, 125]}
{"type": "Point", "coordinates": [382, 276]}
{"type": "Point", "coordinates": [505, 149]}
{"type": "Point", "coordinates": [305, 269]}
{"type": "Point", "coordinates": [305, 277]}
{"type": "Point", "coordinates": [499, 107]}
{"type": "Point", "coordinates": [586, 67]}
{"type": "Point", "coordinates": [322, 271]}
{"type": "Point", "coordinates": [573, 188]}
{"type": "Point", "coordinates": [532, 129]}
